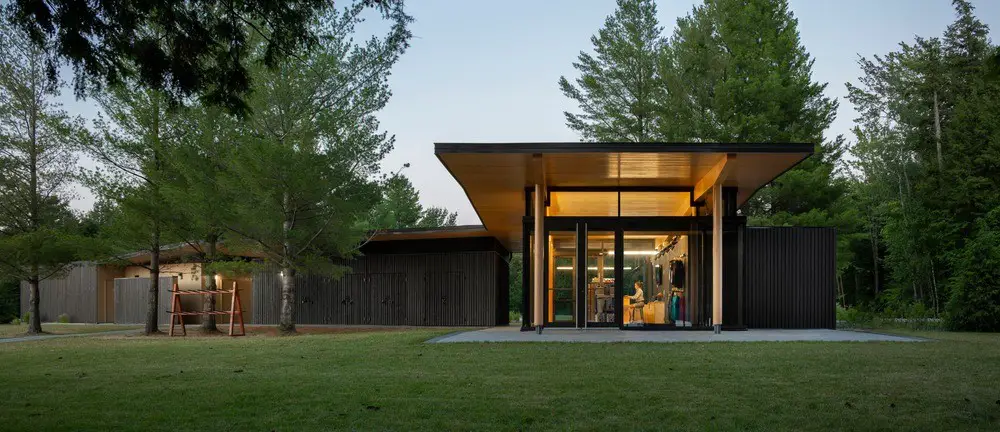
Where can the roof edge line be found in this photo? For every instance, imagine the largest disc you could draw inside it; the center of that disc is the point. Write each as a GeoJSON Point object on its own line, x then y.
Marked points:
{"type": "Point", "coordinates": [612, 147]}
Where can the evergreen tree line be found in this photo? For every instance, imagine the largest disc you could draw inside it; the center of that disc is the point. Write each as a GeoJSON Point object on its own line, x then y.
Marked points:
{"type": "Point", "coordinates": [295, 176]}
{"type": "Point", "coordinates": [912, 194]}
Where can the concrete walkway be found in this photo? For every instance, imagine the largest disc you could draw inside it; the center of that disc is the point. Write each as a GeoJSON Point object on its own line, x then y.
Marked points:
{"type": "Point", "coordinates": [513, 334]}
{"type": "Point", "coordinates": [57, 336]}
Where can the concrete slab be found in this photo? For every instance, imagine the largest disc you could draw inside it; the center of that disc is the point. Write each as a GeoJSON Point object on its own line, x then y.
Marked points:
{"type": "Point", "coordinates": [513, 334]}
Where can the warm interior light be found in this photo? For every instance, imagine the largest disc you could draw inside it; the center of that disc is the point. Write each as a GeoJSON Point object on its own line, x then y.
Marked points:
{"type": "Point", "coordinates": [591, 268]}
{"type": "Point", "coordinates": [636, 252]}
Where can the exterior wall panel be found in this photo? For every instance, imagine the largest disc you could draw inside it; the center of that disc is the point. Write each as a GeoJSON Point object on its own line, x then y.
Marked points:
{"type": "Point", "coordinates": [73, 293]}
{"type": "Point", "coordinates": [131, 296]}
{"type": "Point", "coordinates": [418, 289]}
{"type": "Point", "coordinates": [790, 277]}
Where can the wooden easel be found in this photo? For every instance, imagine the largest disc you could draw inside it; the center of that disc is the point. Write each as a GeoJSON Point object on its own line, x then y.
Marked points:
{"type": "Point", "coordinates": [177, 313]}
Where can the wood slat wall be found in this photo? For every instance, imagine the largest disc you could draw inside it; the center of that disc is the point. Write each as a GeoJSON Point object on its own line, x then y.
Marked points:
{"type": "Point", "coordinates": [790, 277]}
{"type": "Point", "coordinates": [131, 295]}
{"type": "Point", "coordinates": [434, 289]}
{"type": "Point", "coordinates": [74, 293]}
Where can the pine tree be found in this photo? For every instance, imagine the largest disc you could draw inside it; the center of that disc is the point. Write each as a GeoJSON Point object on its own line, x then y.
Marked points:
{"type": "Point", "coordinates": [434, 217]}
{"type": "Point", "coordinates": [401, 208]}
{"type": "Point", "coordinates": [739, 73]}
{"type": "Point", "coordinates": [618, 89]}
{"type": "Point", "coordinates": [133, 145]}
{"type": "Point", "coordinates": [39, 235]}
{"type": "Point", "coordinates": [199, 206]}
{"type": "Point", "coordinates": [307, 164]}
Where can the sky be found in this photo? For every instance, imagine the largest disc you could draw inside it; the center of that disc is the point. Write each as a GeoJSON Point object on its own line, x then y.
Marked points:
{"type": "Point", "coordinates": [486, 71]}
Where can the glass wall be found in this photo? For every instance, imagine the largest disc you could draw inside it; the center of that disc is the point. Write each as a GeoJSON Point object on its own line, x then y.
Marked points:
{"type": "Point", "coordinates": [600, 278]}
{"type": "Point", "coordinates": [560, 294]}
{"type": "Point", "coordinates": [655, 279]}
{"type": "Point", "coordinates": [589, 204]}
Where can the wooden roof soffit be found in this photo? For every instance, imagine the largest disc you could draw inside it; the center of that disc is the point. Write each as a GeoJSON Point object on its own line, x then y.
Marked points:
{"type": "Point", "coordinates": [716, 175]}
{"type": "Point", "coordinates": [536, 169]}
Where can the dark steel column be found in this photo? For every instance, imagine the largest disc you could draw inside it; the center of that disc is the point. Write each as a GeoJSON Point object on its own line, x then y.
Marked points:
{"type": "Point", "coordinates": [619, 276]}
{"type": "Point", "coordinates": [582, 311]}
{"type": "Point", "coordinates": [526, 263]}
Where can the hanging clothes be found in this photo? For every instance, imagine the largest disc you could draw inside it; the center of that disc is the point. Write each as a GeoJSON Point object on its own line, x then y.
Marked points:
{"type": "Point", "coordinates": [677, 273]}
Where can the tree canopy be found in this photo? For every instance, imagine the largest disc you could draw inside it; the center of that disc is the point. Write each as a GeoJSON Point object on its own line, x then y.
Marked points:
{"type": "Point", "coordinates": [183, 49]}
{"type": "Point", "coordinates": [913, 195]}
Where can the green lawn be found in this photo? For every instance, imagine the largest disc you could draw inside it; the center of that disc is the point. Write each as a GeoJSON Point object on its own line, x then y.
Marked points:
{"type": "Point", "coordinates": [12, 330]}
{"type": "Point", "coordinates": [392, 380]}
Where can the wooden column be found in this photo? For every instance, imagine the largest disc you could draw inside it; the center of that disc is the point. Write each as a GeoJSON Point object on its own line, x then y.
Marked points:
{"type": "Point", "coordinates": [537, 256]}
{"type": "Point", "coordinates": [717, 257]}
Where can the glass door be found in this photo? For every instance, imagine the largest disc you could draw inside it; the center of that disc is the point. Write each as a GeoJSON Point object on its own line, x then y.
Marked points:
{"type": "Point", "coordinates": [599, 285]}
{"type": "Point", "coordinates": [655, 279]}
{"type": "Point", "coordinates": [561, 292]}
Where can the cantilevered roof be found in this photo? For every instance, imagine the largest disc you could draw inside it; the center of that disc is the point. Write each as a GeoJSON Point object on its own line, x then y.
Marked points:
{"type": "Point", "coordinates": [494, 175]}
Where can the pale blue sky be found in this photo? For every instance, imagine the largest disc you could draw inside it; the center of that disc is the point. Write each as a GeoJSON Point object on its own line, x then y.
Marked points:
{"type": "Point", "coordinates": [486, 71]}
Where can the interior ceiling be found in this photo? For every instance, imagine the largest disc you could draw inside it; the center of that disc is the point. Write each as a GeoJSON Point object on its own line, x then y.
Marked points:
{"type": "Point", "coordinates": [566, 203]}
{"type": "Point", "coordinates": [495, 181]}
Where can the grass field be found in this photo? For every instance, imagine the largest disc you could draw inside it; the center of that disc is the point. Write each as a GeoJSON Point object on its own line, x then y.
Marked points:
{"type": "Point", "coordinates": [394, 381]}
{"type": "Point", "coordinates": [15, 330]}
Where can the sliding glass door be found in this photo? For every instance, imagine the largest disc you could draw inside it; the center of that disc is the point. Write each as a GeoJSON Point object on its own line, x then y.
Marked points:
{"type": "Point", "coordinates": [561, 279]}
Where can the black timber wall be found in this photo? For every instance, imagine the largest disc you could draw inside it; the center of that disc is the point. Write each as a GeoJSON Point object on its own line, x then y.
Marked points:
{"type": "Point", "coordinates": [442, 282]}
{"type": "Point", "coordinates": [790, 277]}
{"type": "Point", "coordinates": [73, 293]}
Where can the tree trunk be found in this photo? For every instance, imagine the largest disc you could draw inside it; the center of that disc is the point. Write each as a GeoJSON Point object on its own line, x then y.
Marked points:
{"type": "Point", "coordinates": [154, 260]}
{"type": "Point", "coordinates": [934, 285]}
{"type": "Point", "coordinates": [286, 323]}
{"type": "Point", "coordinates": [874, 241]}
{"type": "Point", "coordinates": [937, 132]}
{"type": "Point", "coordinates": [208, 304]}
{"type": "Point", "coordinates": [154, 286]}
{"type": "Point", "coordinates": [35, 320]}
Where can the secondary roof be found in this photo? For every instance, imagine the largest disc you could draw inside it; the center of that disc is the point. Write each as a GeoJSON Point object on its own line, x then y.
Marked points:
{"type": "Point", "coordinates": [495, 175]}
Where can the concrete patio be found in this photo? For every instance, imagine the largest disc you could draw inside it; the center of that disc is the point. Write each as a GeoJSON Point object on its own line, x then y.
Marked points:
{"type": "Point", "coordinates": [513, 334]}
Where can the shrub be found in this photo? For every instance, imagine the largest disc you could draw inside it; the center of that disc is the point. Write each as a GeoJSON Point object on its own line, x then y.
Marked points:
{"type": "Point", "coordinates": [514, 317]}
{"type": "Point", "coordinates": [26, 318]}
{"type": "Point", "coordinates": [64, 318]}
{"type": "Point", "coordinates": [855, 317]}
{"type": "Point", "coordinates": [16, 321]}
{"type": "Point", "coordinates": [975, 286]}
{"type": "Point", "coordinates": [10, 299]}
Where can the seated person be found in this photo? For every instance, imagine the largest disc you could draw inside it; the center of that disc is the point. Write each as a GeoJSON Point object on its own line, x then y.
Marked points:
{"type": "Point", "coordinates": [638, 299]}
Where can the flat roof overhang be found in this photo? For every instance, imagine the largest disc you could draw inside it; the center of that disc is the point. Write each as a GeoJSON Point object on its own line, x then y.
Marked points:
{"type": "Point", "coordinates": [495, 175]}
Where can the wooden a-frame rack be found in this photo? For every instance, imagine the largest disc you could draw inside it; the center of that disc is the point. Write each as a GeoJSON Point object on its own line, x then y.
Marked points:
{"type": "Point", "coordinates": [235, 311]}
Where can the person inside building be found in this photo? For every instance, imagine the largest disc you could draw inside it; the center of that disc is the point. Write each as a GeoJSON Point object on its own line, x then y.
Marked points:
{"type": "Point", "coordinates": [638, 300]}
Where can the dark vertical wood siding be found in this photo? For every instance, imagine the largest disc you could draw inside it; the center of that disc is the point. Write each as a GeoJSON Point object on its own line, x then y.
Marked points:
{"type": "Point", "coordinates": [790, 277]}
{"type": "Point", "coordinates": [732, 269]}
{"type": "Point", "coordinates": [430, 289]}
{"type": "Point", "coordinates": [73, 293]}
{"type": "Point", "coordinates": [131, 296]}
